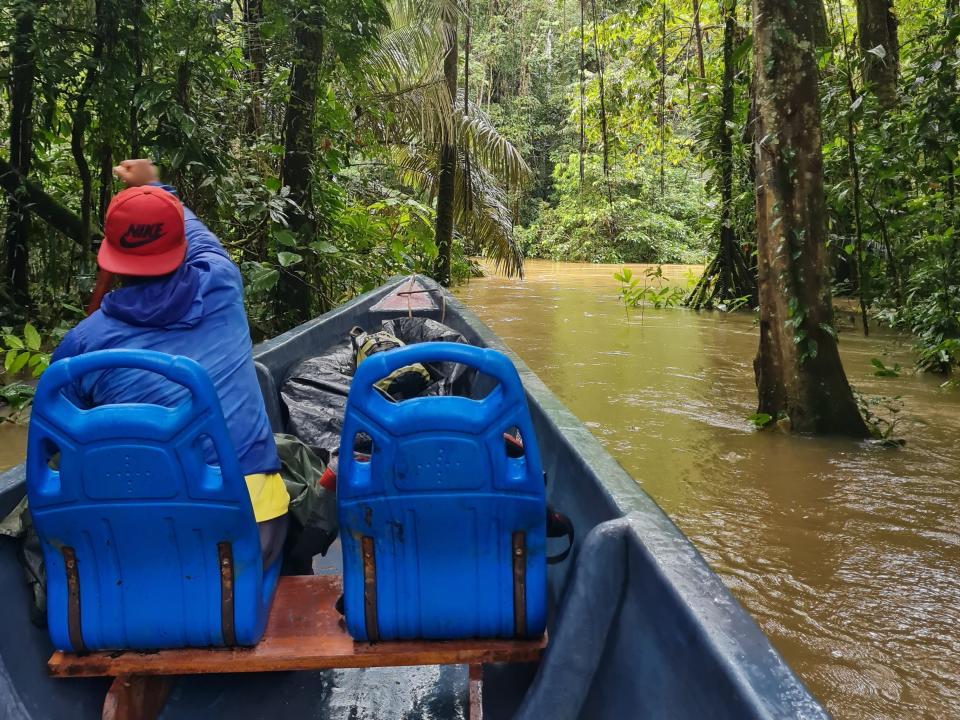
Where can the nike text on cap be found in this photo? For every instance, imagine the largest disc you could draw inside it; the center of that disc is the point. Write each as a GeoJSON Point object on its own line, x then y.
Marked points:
{"type": "Point", "coordinates": [143, 233]}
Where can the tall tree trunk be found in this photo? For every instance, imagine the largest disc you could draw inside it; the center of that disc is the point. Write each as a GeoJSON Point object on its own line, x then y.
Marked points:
{"type": "Point", "coordinates": [583, 98]}
{"type": "Point", "coordinates": [662, 99]}
{"type": "Point", "coordinates": [727, 278]}
{"type": "Point", "coordinates": [798, 369]}
{"type": "Point", "coordinates": [698, 38]}
{"type": "Point", "coordinates": [256, 57]}
{"type": "Point", "coordinates": [137, 50]}
{"type": "Point", "coordinates": [16, 235]}
{"type": "Point", "coordinates": [603, 107]}
{"type": "Point", "coordinates": [300, 142]}
{"type": "Point", "coordinates": [448, 166]}
{"type": "Point", "coordinates": [467, 170]}
{"type": "Point", "coordinates": [861, 274]}
{"type": "Point", "coordinates": [877, 28]}
{"type": "Point", "coordinates": [107, 21]}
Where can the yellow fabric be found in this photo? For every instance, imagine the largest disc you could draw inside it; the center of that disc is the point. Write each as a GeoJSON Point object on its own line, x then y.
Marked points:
{"type": "Point", "coordinates": [268, 495]}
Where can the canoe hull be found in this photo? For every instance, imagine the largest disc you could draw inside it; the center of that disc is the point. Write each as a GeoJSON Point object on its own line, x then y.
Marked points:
{"type": "Point", "coordinates": [640, 626]}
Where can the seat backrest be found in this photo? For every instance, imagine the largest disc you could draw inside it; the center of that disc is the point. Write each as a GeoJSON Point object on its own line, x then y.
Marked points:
{"type": "Point", "coordinates": [443, 533]}
{"type": "Point", "coordinates": [146, 544]}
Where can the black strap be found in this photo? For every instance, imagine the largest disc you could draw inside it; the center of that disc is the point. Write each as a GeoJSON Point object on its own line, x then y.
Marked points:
{"type": "Point", "coordinates": [559, 525]}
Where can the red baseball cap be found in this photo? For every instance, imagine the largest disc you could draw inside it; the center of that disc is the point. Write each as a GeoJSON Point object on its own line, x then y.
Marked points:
{"type": "Point", "coordinates": [143, 233]}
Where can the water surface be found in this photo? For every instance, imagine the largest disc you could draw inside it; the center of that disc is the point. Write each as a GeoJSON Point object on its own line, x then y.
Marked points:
{"type": "Point", "coordinates": [847, 554]}
{"type": "Point", "coordinates": [13, 444]}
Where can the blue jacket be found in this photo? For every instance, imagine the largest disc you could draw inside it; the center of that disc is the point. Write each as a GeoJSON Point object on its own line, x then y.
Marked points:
{"type": "Point", "coordinates": [197, 312]}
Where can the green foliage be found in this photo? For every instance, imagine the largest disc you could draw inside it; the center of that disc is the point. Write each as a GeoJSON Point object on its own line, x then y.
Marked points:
{"type": "Point", "coordinates": [882, 370]}
{"type": "Point", "coordinates": [23, 353]}
{"type": "Point", "coordinates": [24, 357]}
{"type": "Point", "coordinates": [759, 420]}
{"type": "Point", "coordinates": [651, 290]}
{"type": "Point", "coordinates": [205, 92]}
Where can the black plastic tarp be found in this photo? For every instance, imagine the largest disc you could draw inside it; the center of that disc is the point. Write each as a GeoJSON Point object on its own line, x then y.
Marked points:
{"type": "Point", "coordinates": [315, 391]}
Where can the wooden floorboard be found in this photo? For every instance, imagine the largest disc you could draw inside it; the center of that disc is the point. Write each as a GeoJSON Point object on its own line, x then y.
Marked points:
{"type": "Point", "coordinates": [304, 632]}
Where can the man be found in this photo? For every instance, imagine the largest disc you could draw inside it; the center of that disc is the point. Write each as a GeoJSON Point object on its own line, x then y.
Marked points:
{"type": "Point", "coordinates": [181, 294]}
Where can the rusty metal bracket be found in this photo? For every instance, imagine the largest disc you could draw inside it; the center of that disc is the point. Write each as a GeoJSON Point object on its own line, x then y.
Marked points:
{"type": "Point", "coordinates": [519, 584]}
{"type": "Point", "coordinates": [225, 554]}
{"type": "Point", "coordinates": [74, 628]}
{"type": "Point", "coordinates": [370, 589]}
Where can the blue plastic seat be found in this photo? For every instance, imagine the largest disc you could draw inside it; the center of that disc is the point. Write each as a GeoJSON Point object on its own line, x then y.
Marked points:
{"type": "Point", "coordinates": [443, 534]}
{"type": "Point", "coordinates": [146, 544]}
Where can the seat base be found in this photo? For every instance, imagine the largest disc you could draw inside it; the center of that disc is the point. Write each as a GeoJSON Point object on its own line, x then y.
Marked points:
{"type": "Point", "coordinates": [304, 632]}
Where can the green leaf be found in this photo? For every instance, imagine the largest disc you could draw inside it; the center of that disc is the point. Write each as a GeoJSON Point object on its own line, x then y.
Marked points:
{"type": "Point", "coordinates": [13, 342]}
{"type": "Point", "coordinates": [285, 238]}
{"type": "Point", "coordinates": [19, 363]}
{"type": "Point", "coordinates": [264, 277]}
{"type": "Point", "coordinates": [740, 52]}
{"type": "Point", "coordinates": [322, 246]}
{"type": "Point", "coordinates": [42, 365]}
{"type": "Point", "coordinates": [10, 359]}
{"type": "Point", "coordinates": [31, 336]}
{"type": "Point", "coordinates": [760, 420]}
{"type": "Point", "coordinates": [272, 184]}
{"type": "Point", "coordinates": [286, 259]}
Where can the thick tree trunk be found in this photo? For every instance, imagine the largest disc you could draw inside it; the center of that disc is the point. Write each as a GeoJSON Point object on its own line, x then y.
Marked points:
{"type": "Point", "coordinates": [798, 369]}
{"type": "Point", "coordinates": [300, 143]}
{"type": "Point", "coordinates": [877, 28]}
{"type": "Point", "coordinates": [16, 235]}
{"type": "Point", "coordinates": [448, 168]}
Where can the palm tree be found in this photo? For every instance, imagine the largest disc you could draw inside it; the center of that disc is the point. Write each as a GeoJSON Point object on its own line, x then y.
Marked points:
{"type": "Point", "coordinates": [419, 117]}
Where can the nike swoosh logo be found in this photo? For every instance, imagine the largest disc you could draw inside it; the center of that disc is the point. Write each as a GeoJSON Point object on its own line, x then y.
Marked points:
{"type": "Point", "coordinates": [130, 244]}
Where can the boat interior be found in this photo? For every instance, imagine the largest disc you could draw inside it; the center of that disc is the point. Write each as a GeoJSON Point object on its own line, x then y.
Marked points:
{"type": "Point", "coordinates": [639, 625]}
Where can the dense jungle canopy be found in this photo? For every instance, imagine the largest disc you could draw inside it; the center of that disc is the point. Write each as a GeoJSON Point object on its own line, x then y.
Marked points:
{"type": "Point", "coordinates": [812, 145]}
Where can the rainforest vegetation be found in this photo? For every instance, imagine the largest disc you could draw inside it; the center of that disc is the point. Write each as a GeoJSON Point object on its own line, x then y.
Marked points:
{"type": "Point", "coordinates": [802, 150]}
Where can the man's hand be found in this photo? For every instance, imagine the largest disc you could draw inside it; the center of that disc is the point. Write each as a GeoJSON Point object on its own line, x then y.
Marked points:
{"type": "Point", "coordinates": [135, 173]}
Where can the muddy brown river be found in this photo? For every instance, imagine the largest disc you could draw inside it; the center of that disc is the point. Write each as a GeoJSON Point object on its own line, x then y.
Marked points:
{"type": "Point", "coordinates": [848, 555]}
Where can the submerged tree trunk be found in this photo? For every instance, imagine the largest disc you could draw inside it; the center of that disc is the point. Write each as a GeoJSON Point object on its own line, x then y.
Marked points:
{"type": "Point", "coordinates": [880, 48]}
{"type": "Point", "coordinates": [728, 277]}
{"type": "Point", "coordinates": [798, 370]}
{"type": "Point", "coordinates": [16, 235]}
{"type": "Point", "coordinates": [297, 169]}
{"type": "Point", "coordinates": [446, 180]}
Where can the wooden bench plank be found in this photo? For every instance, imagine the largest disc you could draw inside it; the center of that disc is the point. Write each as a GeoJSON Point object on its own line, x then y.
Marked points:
{"type": "Point", "coordinates": [304, 632]}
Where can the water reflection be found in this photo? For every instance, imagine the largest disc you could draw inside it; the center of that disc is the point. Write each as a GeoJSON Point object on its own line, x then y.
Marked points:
{"type": "Point", "coordinates": [846, 554]}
